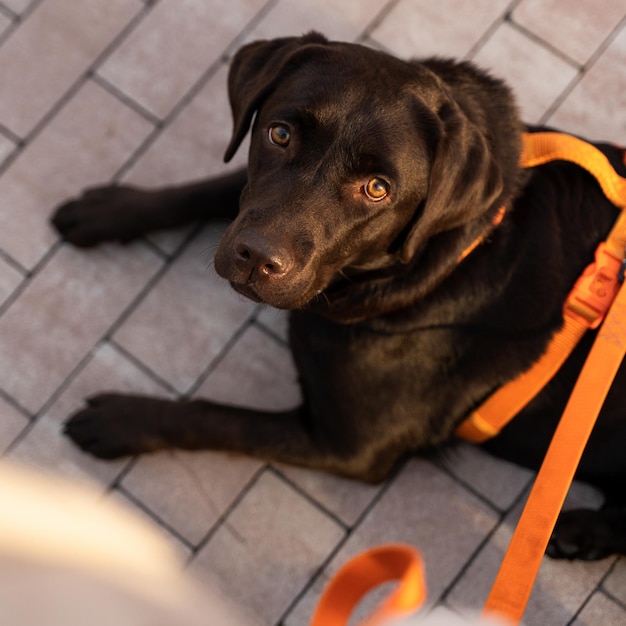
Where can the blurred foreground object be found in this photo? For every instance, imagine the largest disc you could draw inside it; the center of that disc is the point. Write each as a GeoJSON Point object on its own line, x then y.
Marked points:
{"type": "Point", "coordinates": [70, 558]}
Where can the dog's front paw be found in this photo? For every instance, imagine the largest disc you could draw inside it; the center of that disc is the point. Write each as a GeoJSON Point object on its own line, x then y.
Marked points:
{"type": "Point", "coordinates": [116, 425]}
{"type": "Point", "coordinates": [112, 213]}
{"type": "Point", "coordinates": [581, 534]}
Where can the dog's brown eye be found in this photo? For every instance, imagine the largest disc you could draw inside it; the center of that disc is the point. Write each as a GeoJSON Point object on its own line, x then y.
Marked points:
{"type": "Point", "coordinates": [279, 135]}
{"type": "Point", "coordinates": [376, 189]}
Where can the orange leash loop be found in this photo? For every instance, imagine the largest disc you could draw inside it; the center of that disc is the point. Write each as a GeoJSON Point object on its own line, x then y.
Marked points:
{"type": "Point", "coordinates": [513, 585]}
{"type": "Point", "coordinates": [365, 572]}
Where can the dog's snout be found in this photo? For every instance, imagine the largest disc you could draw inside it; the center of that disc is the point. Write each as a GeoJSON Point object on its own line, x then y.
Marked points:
{"type": "Point", "coordinates": [269, 264]}
{"type": "Point", "coordinates": [260, 259]}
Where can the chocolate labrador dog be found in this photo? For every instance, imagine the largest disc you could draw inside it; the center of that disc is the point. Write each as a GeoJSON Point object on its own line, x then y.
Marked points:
{"type": "Point", "coordinates": [368, 177]}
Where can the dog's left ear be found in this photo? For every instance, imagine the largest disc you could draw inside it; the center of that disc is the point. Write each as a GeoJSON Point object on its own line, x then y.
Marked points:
{"type": "Point", "coordinates": [464, 179]}
{"type": "Point", "coordinates": [254, 72]}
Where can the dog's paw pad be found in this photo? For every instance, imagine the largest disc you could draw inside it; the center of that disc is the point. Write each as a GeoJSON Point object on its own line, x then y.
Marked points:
{"type": "Point", "coordinates": [101, 214]}
{"type": "Point", "coordinates": [108, 428]}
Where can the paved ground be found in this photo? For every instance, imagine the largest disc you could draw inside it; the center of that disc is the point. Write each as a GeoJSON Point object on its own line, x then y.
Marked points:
{"type": "Point", "coordinates": [126, 90]}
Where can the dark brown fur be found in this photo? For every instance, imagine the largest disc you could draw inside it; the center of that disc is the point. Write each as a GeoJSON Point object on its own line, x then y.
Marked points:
{"type": "Point", "coordinates": [394, 340]}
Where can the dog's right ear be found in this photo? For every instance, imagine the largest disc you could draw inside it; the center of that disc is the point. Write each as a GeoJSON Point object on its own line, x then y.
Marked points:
{"type": "Point", "coordinates": [254, 72]}
{"type": "Point", "coordinates": [465, 179]}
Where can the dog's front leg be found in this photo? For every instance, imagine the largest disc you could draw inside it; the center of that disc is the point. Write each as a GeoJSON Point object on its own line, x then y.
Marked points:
{"type": "Point", "coordinates": [123, 213]}
{"type": "Point", "coordinates": [114, 425]}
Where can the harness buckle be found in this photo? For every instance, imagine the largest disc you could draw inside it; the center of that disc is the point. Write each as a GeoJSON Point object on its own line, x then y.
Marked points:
{"type": "Point", "coordinates": [594, 292]}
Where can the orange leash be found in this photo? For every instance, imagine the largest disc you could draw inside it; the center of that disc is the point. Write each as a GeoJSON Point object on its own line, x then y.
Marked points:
{"type": "Point", "coordinates": [519, 568]}
{"type": "Point", "coordinates": [598, 294]}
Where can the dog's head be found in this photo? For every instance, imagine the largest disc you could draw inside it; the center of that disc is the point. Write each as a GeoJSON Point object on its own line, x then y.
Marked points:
{"type": "Point", "coordinates": [357, 160]}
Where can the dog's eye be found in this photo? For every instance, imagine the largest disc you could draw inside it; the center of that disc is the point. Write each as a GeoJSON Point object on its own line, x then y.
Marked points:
{"type": "Point", "coordinates": [376, 189]}
{"type": "Point", "coordinates": [279, 135]}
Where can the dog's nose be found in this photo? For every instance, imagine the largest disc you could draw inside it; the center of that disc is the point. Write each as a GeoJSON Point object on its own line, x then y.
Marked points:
{"type": "Point", "coordinates": [260, 259]}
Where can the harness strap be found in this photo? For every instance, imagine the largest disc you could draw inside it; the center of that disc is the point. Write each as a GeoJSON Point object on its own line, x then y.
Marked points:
{"type": "Point", "coordinates": [503, 405]}
{"type": "Point", "coordinates": [540, 148]}
{"type": "Point", "coordinates": [586, 304]}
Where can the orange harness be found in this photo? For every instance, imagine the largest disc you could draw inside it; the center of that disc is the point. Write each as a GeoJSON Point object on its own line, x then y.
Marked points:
{"type": "Point", "coordinates": [596, 296]}
{"type": "Point", "coordinates": [587, 303]}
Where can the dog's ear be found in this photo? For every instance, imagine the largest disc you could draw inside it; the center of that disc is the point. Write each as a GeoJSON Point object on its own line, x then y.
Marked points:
{"type": "Point", "coordinates": [254, 72]}
{"type": "Point", "coordinates": [464, 180]}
